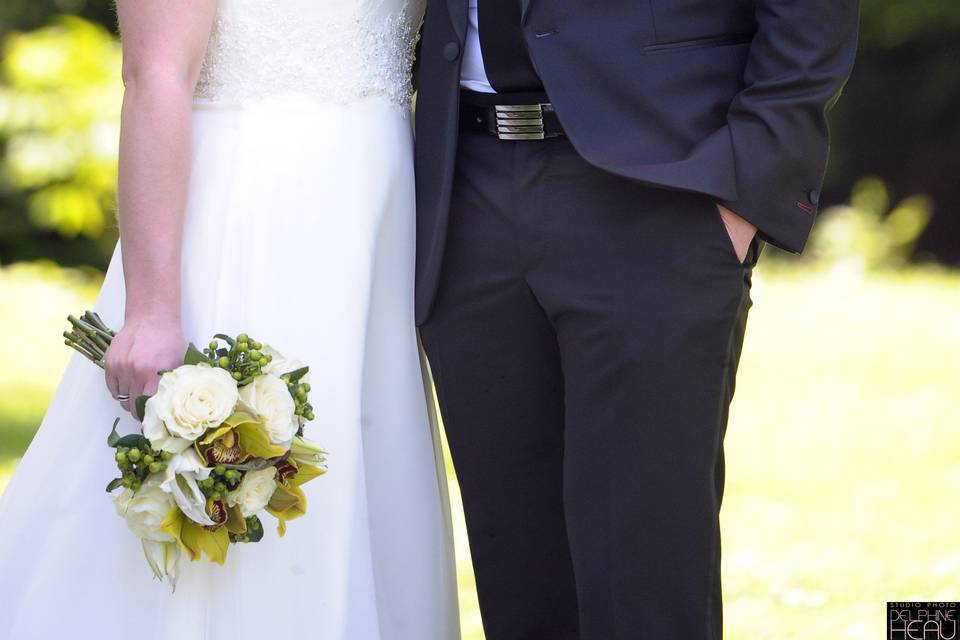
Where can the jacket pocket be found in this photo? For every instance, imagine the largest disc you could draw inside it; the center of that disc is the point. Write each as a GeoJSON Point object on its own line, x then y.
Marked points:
{"type": "Point", "coordinates": [699, 43]}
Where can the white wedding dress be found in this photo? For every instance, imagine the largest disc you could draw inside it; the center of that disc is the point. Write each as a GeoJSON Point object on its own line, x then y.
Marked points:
{"type": "Point", "coordinates": [300, 232]}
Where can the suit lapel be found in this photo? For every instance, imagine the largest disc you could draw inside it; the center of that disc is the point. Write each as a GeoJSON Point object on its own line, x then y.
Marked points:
{"type": "Point", "coordinates": [524, 8]}
{"type": "Point", "coordinates": [458, 16]}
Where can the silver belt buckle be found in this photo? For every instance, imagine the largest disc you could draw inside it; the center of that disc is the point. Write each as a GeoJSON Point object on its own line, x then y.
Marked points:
{"type": "Point", "coordinates": [520, 121]}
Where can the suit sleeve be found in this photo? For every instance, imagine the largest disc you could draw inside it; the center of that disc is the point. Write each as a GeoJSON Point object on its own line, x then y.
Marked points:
{"type": "Point", "coordinates": [799, 60]}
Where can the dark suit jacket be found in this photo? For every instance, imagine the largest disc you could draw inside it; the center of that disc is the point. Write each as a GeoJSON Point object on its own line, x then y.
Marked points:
{"type": "Point", "coordinates": [722, 97]}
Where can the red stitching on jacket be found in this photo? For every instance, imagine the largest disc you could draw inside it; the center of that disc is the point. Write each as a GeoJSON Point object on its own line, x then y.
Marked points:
{"type": "Point", "coordinates": [804, 207]}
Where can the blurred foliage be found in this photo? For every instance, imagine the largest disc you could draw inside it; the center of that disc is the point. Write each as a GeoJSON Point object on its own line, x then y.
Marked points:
{"type": "Point", "coordinates": [59, 112]}
{"type": "Point", "coordinates": [31, 14]}
{"type": "Point", "coordinates": [867, 233]}
{"type": "Point", "coordinates": [898, 116]}
{"type": "Point", "coordinates": [887, 24]}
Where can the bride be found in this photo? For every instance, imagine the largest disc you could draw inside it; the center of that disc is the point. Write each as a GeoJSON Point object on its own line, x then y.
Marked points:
{"type": "Point", "coordinates": [265, 187]}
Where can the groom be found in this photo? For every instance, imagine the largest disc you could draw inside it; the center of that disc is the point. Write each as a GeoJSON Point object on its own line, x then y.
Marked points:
{"type": "Point", "coordinates": [595, 182]}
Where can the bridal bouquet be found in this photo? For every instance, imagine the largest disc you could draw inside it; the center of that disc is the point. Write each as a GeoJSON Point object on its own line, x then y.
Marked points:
{"type": "Point", "coordinates": [221, 443]}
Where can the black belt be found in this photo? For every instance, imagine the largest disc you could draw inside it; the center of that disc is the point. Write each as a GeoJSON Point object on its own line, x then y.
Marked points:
{"type": "Point", "coordinates": [509, 116]}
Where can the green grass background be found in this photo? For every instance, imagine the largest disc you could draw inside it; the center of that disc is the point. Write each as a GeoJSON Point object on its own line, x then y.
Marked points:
{"type": "Point", "coordinates": [843, 446]}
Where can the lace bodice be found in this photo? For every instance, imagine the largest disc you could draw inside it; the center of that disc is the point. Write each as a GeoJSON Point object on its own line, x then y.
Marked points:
{"type": "Point", "coordinates": [332, 50]}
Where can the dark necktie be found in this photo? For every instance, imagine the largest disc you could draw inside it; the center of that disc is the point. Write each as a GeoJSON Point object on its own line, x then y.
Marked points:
{"type": "Point", "coordinates": [505, 57]}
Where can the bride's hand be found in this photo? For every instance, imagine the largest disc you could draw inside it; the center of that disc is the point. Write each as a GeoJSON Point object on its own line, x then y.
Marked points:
{"type": "Point", "coordinates": [139, 352]}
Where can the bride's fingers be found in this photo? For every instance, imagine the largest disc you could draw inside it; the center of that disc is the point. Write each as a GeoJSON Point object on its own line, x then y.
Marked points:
{"type": "Point", "coordinates": [110, 374]}
{"type": "Point", "coordinates": [113, 382]}
{"type": "Point", "coordinates": [149, 387]}
{"type": "Point", "coordinates": [144, 385]}
{"type": "Point", "coordinates": [113, 366]}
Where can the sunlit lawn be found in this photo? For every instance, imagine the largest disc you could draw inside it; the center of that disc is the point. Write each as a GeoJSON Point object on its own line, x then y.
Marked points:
{"type": "Point", "coordinates": [843, 449]}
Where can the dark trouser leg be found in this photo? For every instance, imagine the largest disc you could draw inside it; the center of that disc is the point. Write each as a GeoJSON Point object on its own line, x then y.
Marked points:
{"type": "Point", "coordinates": [574, 302]}
{"type": "Point", "coordinates": [649, 304]}
{"type": "Point", "coordinates": [496, 363]}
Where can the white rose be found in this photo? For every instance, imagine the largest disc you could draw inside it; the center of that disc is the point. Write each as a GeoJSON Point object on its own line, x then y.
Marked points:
{"type": "Point", "coordinates": [190, 399]}
{"type": "Point", "coordinates": [255, 491]}
{"type": "Point", "coordinates": [145, 510]}
{"type": "Point", "coordinates": [269, 397]}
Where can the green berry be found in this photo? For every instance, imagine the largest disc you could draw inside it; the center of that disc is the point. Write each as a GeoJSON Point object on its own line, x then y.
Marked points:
{"type": "Point", "coordinates": [166, 455]}
{"type": "Point", "coordinates": [243, 347]}
{"type": "Point", "coordinates": [308, 415]}
{"type": "Point", "coordinates": [243, 338]}
{"type": "Point", "coordinates": [213, 345]}
{"type": "Point", "coordinates": [256, 345]}
{"type": "Point", "coordinates": [121, 457]}
{"type": "Point", "coordinates": [220, 487]}
{"type": "Point", "coordinates": [224, 362]}
{"type": "Point", "coordinates": [148, 459]}
{"type": "Point", "coordinates": [156, 467]}
{"type": "Point", "coordinates": [215, 496]}
{"type": "Point", "coordinates": [237, 375]}
{"type": "Point", "coordinates": [133, 455]}
{"type": "Point", "coordinates": [219, 470]}
{"type": "Point", "coordinates": [255, 355]}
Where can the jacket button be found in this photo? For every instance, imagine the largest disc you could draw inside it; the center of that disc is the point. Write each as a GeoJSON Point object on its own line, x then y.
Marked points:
{"type": "Point", "coordinates": [451, 51]}
{"type": "Point", "coordinates": [813, 196]}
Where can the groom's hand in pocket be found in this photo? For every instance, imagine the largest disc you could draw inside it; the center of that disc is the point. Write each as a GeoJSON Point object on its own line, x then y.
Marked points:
{"type": "Point", "coordinates": [741, 231]}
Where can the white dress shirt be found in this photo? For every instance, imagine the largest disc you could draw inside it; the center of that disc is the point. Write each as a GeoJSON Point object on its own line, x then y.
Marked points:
{"type": "Point", "coordinates": [472, 74]}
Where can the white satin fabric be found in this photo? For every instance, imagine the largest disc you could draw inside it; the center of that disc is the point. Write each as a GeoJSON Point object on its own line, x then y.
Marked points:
{"type": "Point", "coordinates": [300, 232]}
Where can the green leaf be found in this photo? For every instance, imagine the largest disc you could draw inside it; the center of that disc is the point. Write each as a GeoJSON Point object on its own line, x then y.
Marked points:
{"type": "Point", "coordinates": [296, 374]}
{"type": "Point", "coordinates": [116, 482]}
{"type": "Point", "coordinates": [132, 440]}
{"type": "Point", "coordinates": [114, 437]}
{"type": "Point", "coordinates": [195, 356]}
{"type": "Point", "coordinates": [141, 406]}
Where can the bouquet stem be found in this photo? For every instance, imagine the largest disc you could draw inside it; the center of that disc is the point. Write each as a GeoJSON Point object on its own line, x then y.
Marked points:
{"type": "Point", "coordinates": [90, 336]}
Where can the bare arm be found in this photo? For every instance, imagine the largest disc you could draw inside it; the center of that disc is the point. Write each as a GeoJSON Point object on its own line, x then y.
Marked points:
{"type": "Point", "coordinates": [163, 46]}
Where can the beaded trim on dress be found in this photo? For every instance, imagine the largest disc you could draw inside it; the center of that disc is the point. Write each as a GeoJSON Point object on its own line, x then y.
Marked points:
{"type": "Point", "coordinates": [261, 49]}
